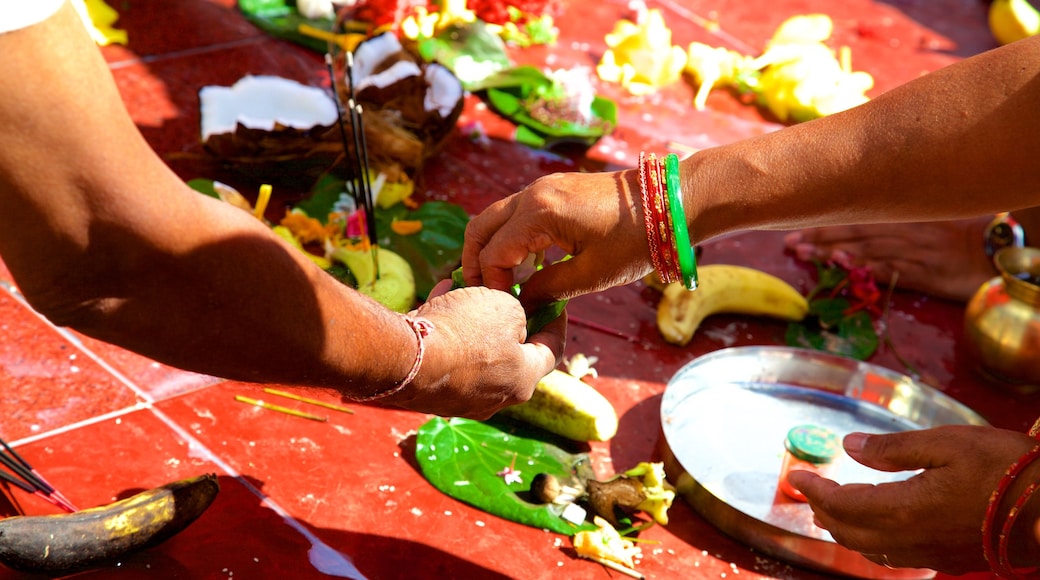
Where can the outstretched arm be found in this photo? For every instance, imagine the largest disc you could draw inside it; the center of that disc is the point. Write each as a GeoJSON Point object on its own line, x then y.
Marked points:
{"type": "Point", "coordinates": [959, 142]}
{"type": "Point", "coordinates": [102, 237]}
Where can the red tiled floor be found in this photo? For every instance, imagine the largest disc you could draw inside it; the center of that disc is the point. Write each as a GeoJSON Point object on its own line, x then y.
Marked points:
{"type": "Point", "coordinates": [303, 499]}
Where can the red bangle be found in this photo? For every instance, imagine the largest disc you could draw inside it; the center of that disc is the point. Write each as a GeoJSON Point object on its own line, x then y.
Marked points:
{"type": "Point", "coordinates": [648, 215]}
{"type": "Point", "coordinates": [422, 329]}
{"type": "Point", "coordinates": [1005, 532]}
{"type": "Point", "coordinates": [999, 563]}
{"type": "Point", "coordinates": [672, 256]}
{"type": "Point", "coordinates": [662, 258]}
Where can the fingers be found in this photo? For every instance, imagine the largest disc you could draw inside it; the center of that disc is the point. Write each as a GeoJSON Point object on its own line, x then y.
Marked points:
{"type": "Point", "coordinates": [552, 338]}
{"type": "Point", "coordinates": [486, 259]}
{"type": "Point", "coordinates": [903, 451]}
{"type": "Point", "coordinates": [441, 287]}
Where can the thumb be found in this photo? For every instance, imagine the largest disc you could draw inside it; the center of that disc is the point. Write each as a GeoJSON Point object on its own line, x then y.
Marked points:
{"type": "Point", "coordinates": [907, 450]}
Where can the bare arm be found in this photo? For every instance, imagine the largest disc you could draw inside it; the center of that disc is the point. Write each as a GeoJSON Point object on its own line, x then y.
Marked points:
{"type": "Point", "coordinates": [101, 236]}
{"type": "Point", "coordinates": [959, 142]}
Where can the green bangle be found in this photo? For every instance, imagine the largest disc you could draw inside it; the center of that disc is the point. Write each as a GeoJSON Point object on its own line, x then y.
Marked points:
{"type": "Point", "coordinates": [687, 261]}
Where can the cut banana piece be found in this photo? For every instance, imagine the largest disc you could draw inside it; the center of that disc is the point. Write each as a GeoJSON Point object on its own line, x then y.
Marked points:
{"type": "Point", "coordinates": [726, 289]}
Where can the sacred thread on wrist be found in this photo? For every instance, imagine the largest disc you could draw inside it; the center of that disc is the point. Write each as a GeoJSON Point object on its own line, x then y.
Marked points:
{"type": "Point", "coordinates": [422, 329]}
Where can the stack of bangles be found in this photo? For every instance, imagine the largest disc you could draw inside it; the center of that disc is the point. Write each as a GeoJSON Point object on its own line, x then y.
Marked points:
{"type": "Point", "coordinates": [995, 545]}
{"type": "Point", "coordinates": [665, 218]}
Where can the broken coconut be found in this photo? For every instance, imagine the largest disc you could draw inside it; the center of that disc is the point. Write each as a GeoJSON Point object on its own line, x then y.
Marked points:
{"type": "Point", "coordinates": [277, 129]}
{"type": "Point", "coordinates": [425, 98]}
{"type": "Point", "coordinates": [270, 127]}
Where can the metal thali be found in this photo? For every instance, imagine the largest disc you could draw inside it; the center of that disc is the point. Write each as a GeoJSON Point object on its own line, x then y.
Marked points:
{"type": "Point", "coordinates": [725, 416]}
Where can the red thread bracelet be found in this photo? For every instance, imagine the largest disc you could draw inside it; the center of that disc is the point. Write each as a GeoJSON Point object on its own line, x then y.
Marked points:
{"type": "Point", "coordinates": [422, 329]}
{"type": "Point", "coordinates": [989, 551]}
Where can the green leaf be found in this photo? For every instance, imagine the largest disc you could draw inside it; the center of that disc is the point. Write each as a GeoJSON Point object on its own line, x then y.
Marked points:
{"type": "Point", "coordinates": [544, 315]}
{"type": "Point", "coordinates": [435, 250]}
{"type": "Point", "coordinates": [281, 20]}
{"type": "Point", "coordinates": [324, 195]}
{"type": "Point", "coordinates": [828, 278]}
{"type": "Point", "coordinates": [204, 186]}
{"type": "Point", "coordinates": [828, 311]}
{"type": "Point", "coordinates": [470, 51]}
{"type": "Point", "coordinates": [851, 335]}
{"type": "Point", "coordinates": [537, 320]}
{"type": "Point", "coordinates": [461, 458]}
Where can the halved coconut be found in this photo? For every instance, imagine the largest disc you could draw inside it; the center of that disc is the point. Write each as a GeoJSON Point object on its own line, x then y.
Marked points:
{"type": "Point", "coordinates": [270, 126]}
{"type": "Point", "coordinates": [427, 98]}
{"type": "Point", "coordinates": [277, 129]}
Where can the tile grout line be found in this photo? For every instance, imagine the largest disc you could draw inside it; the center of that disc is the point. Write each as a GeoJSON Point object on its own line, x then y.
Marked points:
{"type": "Point", "coordinates": [187, 52]}
{"type": "Point", "coordinates": [334, 562]}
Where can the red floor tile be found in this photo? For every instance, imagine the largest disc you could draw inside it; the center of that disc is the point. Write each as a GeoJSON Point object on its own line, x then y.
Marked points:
{"type": "Point", "coordinates": [47, 381]}
{"type": "Point", "coordinates": [306, 499]}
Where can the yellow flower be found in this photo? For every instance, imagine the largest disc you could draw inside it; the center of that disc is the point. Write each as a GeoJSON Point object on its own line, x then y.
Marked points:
{"type": "Point", "coordinates": [641, 56]}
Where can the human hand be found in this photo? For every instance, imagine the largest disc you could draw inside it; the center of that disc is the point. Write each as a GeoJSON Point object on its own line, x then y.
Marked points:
{"type": "Point", "coordinates": [596, 218]}
{"type": "Point", "coordinates": [931, 520]}
{"type": "Point", "coordinates": [478, 357]}
{"type": "Point", "coordinates": [943, 258]}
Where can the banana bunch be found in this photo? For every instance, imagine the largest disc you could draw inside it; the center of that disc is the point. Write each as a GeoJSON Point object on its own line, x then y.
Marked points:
{"type": "Point", "coordinates": [64, 543]}
{"type": "Point", "coordinates": [726, 289]}
{"type": "Point", "coordinates": [1011, 20]}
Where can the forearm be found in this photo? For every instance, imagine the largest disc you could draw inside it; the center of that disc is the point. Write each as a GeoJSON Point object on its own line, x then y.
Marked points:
{"type": "Point", "coordinates": [101, 236]}
{"type": "Point", "coordinates": [956, 143]}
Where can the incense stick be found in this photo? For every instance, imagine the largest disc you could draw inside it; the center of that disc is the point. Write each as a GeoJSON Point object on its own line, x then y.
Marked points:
{"type": "Point", "coordinates": [308, 400]}
{"type": "Point", "coordinates": [357, 163]}
{"type": "Point", "coordinates": [357, 124]}
{"type": "Point", "coordinates": [30, 480]}
{"type": "Point", "coordinates": [280, 409]}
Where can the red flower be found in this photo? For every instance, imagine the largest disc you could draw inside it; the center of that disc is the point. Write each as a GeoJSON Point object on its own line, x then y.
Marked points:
{"type": "Point", "coordinates": [387, 12]}
{"type": "Point", "coordinates": [862, 290]}
{"type": "Point", "coordinates": [497, 11]}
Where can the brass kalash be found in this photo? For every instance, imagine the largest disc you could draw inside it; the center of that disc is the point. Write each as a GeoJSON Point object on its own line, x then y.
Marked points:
{"type": "Point", "coordinates": [1002, 322]}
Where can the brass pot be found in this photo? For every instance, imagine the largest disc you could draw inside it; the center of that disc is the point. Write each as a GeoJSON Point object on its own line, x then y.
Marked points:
{"type": "Point", "coordinates": [1002, 322]}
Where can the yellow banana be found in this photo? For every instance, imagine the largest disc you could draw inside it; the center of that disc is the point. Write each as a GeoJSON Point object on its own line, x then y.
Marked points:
{"type": "Point", "coordinates": [567, 406]}
{"type": "Point", "coordinates": [66, 543]}
{"type": "Point", "coordinates": [726, 289]}
{"type": "Point", "coordinates": [1011, 20]}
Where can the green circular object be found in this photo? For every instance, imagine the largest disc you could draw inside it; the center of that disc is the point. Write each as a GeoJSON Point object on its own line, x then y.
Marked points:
{"type": "Point", "coordinates": [812, 443]}
{"type": "Point", "coordinates": [687, 260]}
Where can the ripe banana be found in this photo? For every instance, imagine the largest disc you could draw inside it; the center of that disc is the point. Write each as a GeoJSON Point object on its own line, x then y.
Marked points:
{"type": "Point", "coordinates": [1011, 20]}
{"type": "Point", "coordinates": [66, 543]}
{"type": "Point", "coordinates": [567, 406]}
{"type": "Point", "coordinates": [726, 289]}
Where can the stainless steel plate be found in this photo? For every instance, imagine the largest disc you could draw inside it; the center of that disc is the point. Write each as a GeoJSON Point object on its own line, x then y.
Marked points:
{"type": "Point", "coordinates": [725, 416]}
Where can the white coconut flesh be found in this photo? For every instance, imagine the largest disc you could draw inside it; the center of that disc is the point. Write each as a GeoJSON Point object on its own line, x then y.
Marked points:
{"type": "Point", "coordinates": [263, 102]}
{"type": "Point", "coordinates": [444, 93]}
{"type": "Point", "coordinates": [444, 90]}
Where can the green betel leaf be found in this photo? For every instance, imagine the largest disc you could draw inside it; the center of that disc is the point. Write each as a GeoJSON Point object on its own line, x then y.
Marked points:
{"type": "Point", "coordinates": [203, 186]}
{"type": "Point", "coordinates": [847, 335]}
{"type": "Point", "coordinates": [471, 51]}
{"type": "Point", "coordinates": [462, 458]}
{"type": "Point", "coordinates": [435, 250]}
{"type": "Point", "coordinates": [281, 20]}
{"type": "Point", "coordinates": [324, 195]}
